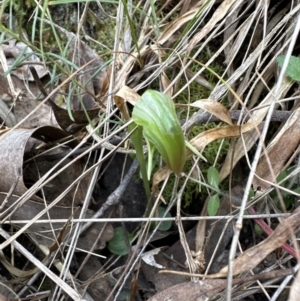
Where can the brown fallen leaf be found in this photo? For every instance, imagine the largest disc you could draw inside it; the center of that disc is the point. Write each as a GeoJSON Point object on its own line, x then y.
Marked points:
{"type": "Point", "coordinates": [124, 95]}
{"type": "Point", "coordinates": [253, 256]}
{"type": "Point", "coordinates": [202, 290]}
{"type": "Point", "coordinates": [13, 145]}
{"type": "Point", "coordinates": [14, 51]}
{"type": "Point", "coordinates": [71, 121]}
{"type": "Point", "coordinates": [43, 115]}
{"type": "Point", "coordinates": [215, 108]}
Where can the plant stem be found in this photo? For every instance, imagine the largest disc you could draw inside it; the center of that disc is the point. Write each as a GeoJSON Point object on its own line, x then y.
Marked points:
{"type": "Point", "coordinates": [137, 140]}
{"type": "Point", "coordinates": [269, 231]}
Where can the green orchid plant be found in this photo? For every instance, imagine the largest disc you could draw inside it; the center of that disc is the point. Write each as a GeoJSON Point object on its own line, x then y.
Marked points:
{"type": "Point", "coordinates": [155, 113]}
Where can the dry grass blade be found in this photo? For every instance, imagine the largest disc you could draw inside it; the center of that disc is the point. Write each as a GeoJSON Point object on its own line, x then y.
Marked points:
{"type": "Point", "coordinates": [278, 152]}
{"type": "Point", "coordinates": [70, 291]}
{"type": "Point", "coordinates": [238, 150]}
{"type": "Point", "coordinates": [170, 30]}
{"type": "Point", "coordinates": [218, 15]}
{"type": "Point", "coordinates": [295, 289]}
{"type": "Point", "coordinates": [244, 143]}
{"type": "Point", "coordinates": [220, 90]}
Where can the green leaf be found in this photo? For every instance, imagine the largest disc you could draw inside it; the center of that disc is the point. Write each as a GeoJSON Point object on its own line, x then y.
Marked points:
{"type": "Point", "coordinates": [137, 140]}
{"type": "Point", "coordinates": [297, 190]}
{"type": "Point", "coordinates": [117, 244]}
{"type": "Point", "coordinates": [258, 230]}
{"type": "Point", "coordinates": [164, 226]}
{"type": "Point", "coordinates": [213, 177]}
{"type": "Point", "coordinates": [251, 194]}
{"type": "Point", "coordinates": [155, 112]}
{"type": "Point", "coordinates": [281, 176]}
{"type": "Point", "coordinates": [194, 150]}
{"type": "Point", "coordinates": [213, 205]}
{"type": "Point", "coordinates": [293, 68]}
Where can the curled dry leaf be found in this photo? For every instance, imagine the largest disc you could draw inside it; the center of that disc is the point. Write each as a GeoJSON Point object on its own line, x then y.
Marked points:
{"type": "Point", "coordinates": [245, 143]}
{"type": "Point", "coordinates": [13, 52]}
{"type": "Point", "coordinates": [124, 95]}
{"type": "Point", "coordinates": [69, 120]}
{"type": "Point", "coordinates": [215, 108]}
{"type": "Point", "coordinates": [128, 95]}
{"type": "Point", "coordinates": [207, 137]}
{"type": "Point", "coordinates": [14, 145]}
{"type": "Point", "coordinates": [158, 177]}
{"type": "Point", "coordinates": [7, 294]}
{"type": "Point", "coordinates": [237, 150]}
{"type": "Point", "coordinates": [229, 131]}
{"type": "Point", "coordinates": [91, 77]}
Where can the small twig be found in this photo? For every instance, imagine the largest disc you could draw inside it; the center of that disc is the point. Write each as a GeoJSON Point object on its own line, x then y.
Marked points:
{"type": "Point", "coordinates": [260, 277]}
{"type": "Point", "coordinates": [116, 195]}
{"type": "Point", "coordinates": [189, 258]}
{"type": "Point", "coordinates": [198, 119]}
